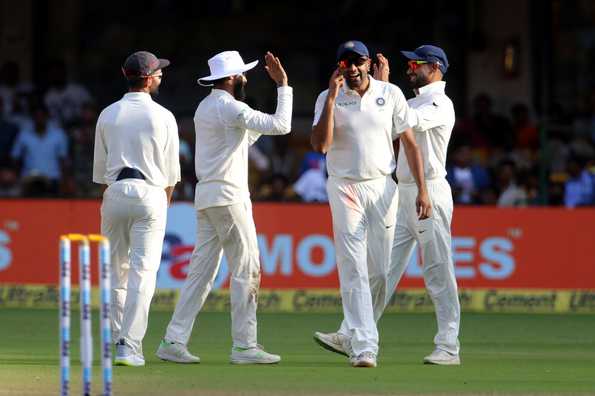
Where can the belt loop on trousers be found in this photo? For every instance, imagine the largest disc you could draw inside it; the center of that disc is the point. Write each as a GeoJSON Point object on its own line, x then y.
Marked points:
{"type": "Point", "coordinates": [130, 173]}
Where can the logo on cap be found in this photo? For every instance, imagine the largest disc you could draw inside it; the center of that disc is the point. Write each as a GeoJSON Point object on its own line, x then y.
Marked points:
{"type": "Point", "coordinates": [349, 44]}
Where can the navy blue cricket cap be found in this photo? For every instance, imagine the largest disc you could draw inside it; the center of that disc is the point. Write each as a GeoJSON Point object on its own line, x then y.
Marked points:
{"type": "Point", "coordinates": [143, 64]}
{"type": "Point", "coordinates": [354, 46]}
{"type": "Point", "coordinates": [429, 53]}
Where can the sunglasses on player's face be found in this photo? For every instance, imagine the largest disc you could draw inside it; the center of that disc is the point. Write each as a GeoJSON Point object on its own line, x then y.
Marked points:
{"type": "Point", "coordinates": [347, 62]}
{"type": "Point", "coordinates": [415, 64]}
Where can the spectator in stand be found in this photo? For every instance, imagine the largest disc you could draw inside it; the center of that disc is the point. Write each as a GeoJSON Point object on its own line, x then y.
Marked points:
{"type": "Point", "coordinates": [511, 193]}
{"type": "Point", "coordinates": [488, 196]}
{"type": "Point", "coordinates": [558, 150]}
{"type": "Point", "coordinates": [8, 134]}
{"type": "Point", "coordinates": [8, 183]}
{"type": "Point", "coordinates": [41, 154]}
{"type": "Point", "coordinates": [282, 157]}
{"type": "Point", "coordinates": [258, 159]}
{"type": "Point", "coordinates": [185, 188]}
{"type": "Point", "coordinates": [466, 179]}
{"type": "Point", "coordinates": [486, 129]}
{"type": "Point", "coordinates": [590, 167]}
{"type": "Point", "coordinates": [276, 190]}
{"type": "Point", "coordinates": [532, 187]}
{"type": "Point", "coordinates": [525, 132]}
{"type": "Point", "coordinates": [13, 92]}
{"type": "Point", "coordinates": [64, 99]}
{"type": "Point", "coordinates": [582, 149]}
{"type": "Point", "coordinates": [311, 185]}
{"type": "Point", "coordinates": [82, 138]}
{"type": "Point", "coordinates": [311, 160]}
{"type": "Point", "coordinates": [578, 189]}
{"type": "Point", "coordinates": [8, 177]}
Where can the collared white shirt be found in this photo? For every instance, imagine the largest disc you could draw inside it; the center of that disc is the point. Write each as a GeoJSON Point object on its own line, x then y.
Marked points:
{"type": "Point", "coordinates": [225, 128]}
{"type": "Point", "coordinates": [365, 127]}
{"type": "Point", "coordinates": [434, 119]}
{"type": "Point", "coordinates": [136, 132]}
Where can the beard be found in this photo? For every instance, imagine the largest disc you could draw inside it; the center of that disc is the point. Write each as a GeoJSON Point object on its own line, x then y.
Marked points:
{"type": "Point", "coordinates": [356, 82]}
{"type": "Point", "coordinates": [155, 90]}
{"type": "Point", "coordinates": [417, 81]}
{"type": "Point", "coordinates": [239, 90]}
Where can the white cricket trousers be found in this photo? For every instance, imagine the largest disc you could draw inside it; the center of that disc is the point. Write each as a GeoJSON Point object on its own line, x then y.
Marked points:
{"type": "Point", "coordinates": [364, 215]}
{"type": "Point", "coordinates": [434, 238]}
{"type": "Point", "coordinates": [133, 216]}
{"type": "Point", "coordinates": [230, 230]}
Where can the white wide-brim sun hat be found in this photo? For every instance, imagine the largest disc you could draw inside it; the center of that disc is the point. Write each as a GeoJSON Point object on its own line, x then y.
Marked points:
{"type": "Point", "coordinates": [225, 64]}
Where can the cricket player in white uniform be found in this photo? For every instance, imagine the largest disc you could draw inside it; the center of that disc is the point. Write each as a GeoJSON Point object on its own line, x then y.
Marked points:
{"type": "Point", "coordinates": [435, 118]}
{"type": "Point", "coordinates": [137, 157]}
{"type": "Point", "coordinates": [225, 127]}
{"type": "Point", "coordinates": [355, 124]}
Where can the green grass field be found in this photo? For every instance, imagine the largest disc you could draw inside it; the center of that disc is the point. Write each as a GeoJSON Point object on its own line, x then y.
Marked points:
{"type": "Point", "coordinates": [501, 354]}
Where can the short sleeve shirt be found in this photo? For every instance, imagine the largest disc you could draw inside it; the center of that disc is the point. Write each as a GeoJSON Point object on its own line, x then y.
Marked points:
{"type": "Point", "coordinates": [364, 129]}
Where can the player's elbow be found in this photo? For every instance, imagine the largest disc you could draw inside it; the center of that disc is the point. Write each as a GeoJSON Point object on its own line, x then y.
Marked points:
{"type": "Point", "coordinates": [319, 144]}
{"type": "Point", "coordinates": [282, 127]}
{"type": "Point", "coordinates": [408, 140]}
{"type": "Point", "coordinates": [285, 128]}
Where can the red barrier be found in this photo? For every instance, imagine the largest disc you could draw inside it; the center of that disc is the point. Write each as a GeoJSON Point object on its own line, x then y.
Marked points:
{"type": "Point", "coordinates": [542, 248]}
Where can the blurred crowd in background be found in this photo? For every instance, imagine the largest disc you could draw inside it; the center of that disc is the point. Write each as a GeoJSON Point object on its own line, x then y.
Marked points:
{"type": "Point", "coordinates": [47, 138]}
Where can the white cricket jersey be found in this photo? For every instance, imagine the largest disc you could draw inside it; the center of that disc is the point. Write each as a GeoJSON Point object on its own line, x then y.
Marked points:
{"type": "Point", "coordinates": [365, 127]}
{"type": "Point", "coordinates": [225, 128]}
{"type": "Point", "coordinates": [135, 132]}
{"type": "Point", "coordinates": [435, 117]}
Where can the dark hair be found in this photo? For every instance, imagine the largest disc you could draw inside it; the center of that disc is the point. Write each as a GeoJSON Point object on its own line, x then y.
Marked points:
{"type": "Point", "coordinates": [135, 82]}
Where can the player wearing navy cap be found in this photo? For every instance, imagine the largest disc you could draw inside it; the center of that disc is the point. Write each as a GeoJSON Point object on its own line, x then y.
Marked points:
{"type": "Point", "coordinates": [355, 122]}
{"type": "Point", "coordinates": [434, 110]}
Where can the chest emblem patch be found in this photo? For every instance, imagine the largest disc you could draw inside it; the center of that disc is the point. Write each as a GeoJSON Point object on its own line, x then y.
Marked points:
{"type": "Point", "coordinates": [380, 101]}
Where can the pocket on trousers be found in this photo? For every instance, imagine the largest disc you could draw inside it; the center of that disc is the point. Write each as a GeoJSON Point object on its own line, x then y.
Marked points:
{"type": "Point", "coordinates": [425, 230]}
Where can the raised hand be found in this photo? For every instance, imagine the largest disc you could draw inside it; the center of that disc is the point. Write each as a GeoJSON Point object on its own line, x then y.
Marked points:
{"type": "Point", "coordinates": [275, 69]}
{"type": "Point", "coordinates": [335, 83]}
{"type": "Point", "coordinates": [381, 70]}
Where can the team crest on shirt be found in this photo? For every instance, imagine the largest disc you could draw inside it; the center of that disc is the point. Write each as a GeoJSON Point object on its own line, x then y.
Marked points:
{"type": "Point", "coordinates": [380, 101]}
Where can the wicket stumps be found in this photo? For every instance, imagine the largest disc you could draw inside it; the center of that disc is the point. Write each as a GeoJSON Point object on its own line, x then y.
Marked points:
{"type": "Point", "coordinates": [86, 340]}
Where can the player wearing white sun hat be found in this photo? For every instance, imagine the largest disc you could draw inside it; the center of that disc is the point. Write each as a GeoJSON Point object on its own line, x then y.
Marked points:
{"type": "Point", "coordinates": [225, 127]}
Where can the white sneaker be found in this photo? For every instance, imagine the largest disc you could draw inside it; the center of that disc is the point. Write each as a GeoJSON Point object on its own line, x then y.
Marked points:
{"type": "Point", "coordinates": [334, 342]}
{"type": "Point", "coordinates": [252, 356]}
{"type": "Point", "coordinates": [125, 356]}
{"type": "Point", "coordinates": [175, 352]}
{"type": "Point", "coordinates": [442, 358]}
{"type": "Point", "coordinates": [364, 359]}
